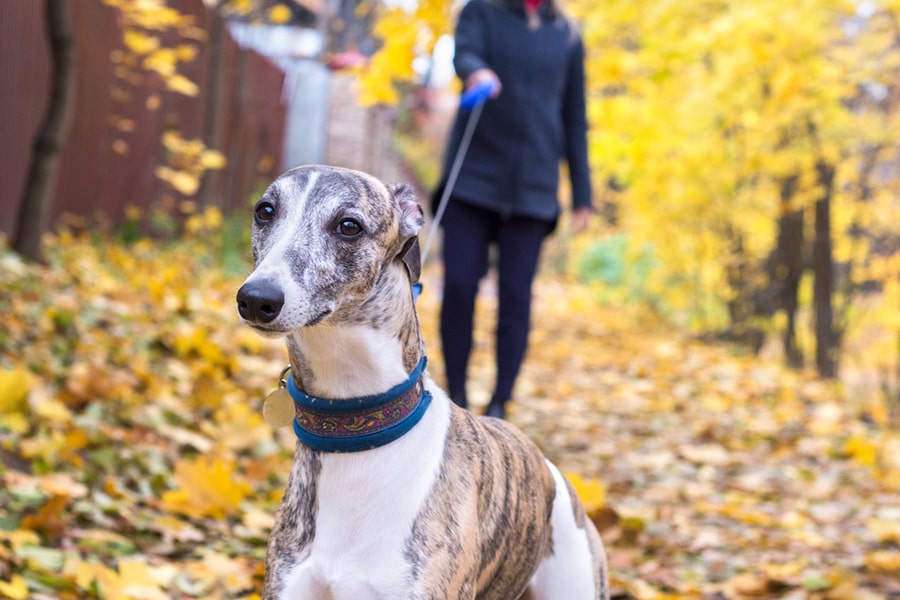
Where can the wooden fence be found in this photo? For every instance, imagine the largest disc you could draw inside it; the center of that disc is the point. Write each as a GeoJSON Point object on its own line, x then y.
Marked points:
{"type": "Point", "coordinates": [238, 112]}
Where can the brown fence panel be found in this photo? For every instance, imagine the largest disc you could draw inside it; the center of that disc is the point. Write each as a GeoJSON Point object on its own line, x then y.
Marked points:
{"type": "Point", "coordinates": [103, 168]}
{"type": "Point", "coordinates": [24, 89]}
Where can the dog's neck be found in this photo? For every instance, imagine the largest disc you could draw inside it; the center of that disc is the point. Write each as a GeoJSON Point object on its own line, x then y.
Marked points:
{"type": "Point", "coordinates": [365, 349]}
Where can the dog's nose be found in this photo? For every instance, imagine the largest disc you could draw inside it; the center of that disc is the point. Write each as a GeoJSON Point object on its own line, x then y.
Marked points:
{"type": "Point", "coordinates": [260, 301]}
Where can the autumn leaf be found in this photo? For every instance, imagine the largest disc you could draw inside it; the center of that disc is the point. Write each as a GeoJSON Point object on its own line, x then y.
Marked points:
{"type": "Point", "coordinates": [163, 61]}
{"type": "Point", "coordinates": [133, 579]}
{"type": "Point", "coordinates": [187, 160]}
{"type": "Point", "coordinates": [15, 589]}
{"type": "Point", "coordinates": [885, 561]}
{"type": "Point", "coordinates": [861, 449]}
{"type": "Point", "coordinates": [212, 160]}
{"type": "Point", "coordinates": [182, 85]}
{"type": "Point", "coordinates": [177, 529]}
{"type": "Point", "coordinates": [885, 530]}
{"type": "Point", "coordinates": [49, 519]}
{"type": "Point", "coordinates": [404, 35]}
{"type": "Point", "coordinates": [184, 182]}
{"type": "Point", "coordinates": [279, 14]}
{"type": "Point", "coordinates": [13, 399]}
{"type": "Point", "coordinates": [140, 43]}
{"type": "Point", "coordinates": [592, 492]}
{"type": "Point", "coordinates": [56, 447]}
{"type": "Point", "coordinates": [20, 537]}
{"type": "Point", "coordinates": [206, 487]}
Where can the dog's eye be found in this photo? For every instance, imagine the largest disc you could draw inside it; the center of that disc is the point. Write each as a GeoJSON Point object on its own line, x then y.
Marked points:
{"type": "Point", "coordinates": [264, 212]}
{"type": "Point", "coordinates": [349, 228]}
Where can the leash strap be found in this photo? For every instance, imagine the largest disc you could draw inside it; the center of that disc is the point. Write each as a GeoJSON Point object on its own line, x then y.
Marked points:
{"type": "Point", "coordinates": [454, 173]}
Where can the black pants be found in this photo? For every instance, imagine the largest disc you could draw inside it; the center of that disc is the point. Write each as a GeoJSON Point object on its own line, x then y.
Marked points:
{"type": "Point", "coordinates": [468, 234]}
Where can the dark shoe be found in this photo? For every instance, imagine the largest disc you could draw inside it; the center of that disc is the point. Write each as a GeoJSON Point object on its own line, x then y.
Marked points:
{"type": "Point", "coordinates": [496, 409]}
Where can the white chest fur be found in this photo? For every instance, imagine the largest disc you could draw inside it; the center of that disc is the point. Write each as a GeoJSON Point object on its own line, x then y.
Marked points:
{"type": "Point", "coordinates": [367, 504]}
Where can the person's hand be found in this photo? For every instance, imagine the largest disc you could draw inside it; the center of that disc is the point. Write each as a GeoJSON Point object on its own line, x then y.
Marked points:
{"type": "Point", "coordinates": [581, 219]}
{"type": "Point", "coordinates": [480, 85]}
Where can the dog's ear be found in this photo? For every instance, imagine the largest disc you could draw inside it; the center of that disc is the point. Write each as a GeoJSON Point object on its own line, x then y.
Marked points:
{"type": "Point", "coordinates": [412, 258]}
{"type": "Point", "coordinates": [411, 216]}
{"type": "Point", "coordinates": [411, 220]}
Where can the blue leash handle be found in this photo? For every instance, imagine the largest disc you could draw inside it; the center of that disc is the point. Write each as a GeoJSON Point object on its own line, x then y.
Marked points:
{"type": "Point", "coordinates": [476, 94]}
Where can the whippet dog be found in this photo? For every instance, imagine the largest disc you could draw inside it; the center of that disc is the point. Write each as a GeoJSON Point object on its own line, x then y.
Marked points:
{"type": "Point", "coordinates": [394, 492]}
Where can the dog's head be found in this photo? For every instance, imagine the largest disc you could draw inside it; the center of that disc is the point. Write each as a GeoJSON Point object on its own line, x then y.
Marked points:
{"type": "Point", "coordinates": [322, 237]}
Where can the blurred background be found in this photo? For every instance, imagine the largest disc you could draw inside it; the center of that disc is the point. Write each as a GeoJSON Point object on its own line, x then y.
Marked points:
{"type": "Point", "coordinates": [715, 363]}
{"type": "Point", "coordinates": [745, 157]}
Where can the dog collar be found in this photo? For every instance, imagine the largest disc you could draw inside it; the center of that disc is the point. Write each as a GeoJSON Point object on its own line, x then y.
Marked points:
{"type": "Point", "coordinates": [357, 424]}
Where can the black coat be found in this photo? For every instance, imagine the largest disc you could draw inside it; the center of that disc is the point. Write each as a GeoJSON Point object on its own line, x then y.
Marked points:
{"type": "Point", "coordinates": [512, 165]}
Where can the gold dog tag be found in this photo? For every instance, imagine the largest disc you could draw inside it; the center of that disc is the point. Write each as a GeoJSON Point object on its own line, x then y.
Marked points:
{"type": "Point", "coordinates": [278, 408]}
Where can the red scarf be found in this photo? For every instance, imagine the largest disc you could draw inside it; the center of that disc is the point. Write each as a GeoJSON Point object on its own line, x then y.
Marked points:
{"type": "Point", "coordinates": [532, 4]}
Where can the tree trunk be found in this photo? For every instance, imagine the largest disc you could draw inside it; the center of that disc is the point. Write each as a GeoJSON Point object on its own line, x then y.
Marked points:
{"type": "Point", "coordinates": [823, 268]}
{"type": "Point", "coordinates": [41, 182]}
{"type": "Point", "coordinates": [788, 269]}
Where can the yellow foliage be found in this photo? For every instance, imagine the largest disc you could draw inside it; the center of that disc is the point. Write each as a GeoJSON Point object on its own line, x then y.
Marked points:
{"type": "Point", "coordinates": [703, 453]}
{"type": "Point", "coordinates": [701, 110]}
{"type": "Point", "coordinates": [138, 42]}
{"type": "Point", "coordinates": [188, 160]}
{"type": "Point", "coordinates": [184, 182]}
{"type": "Point", "coordinates": [239, 426]}
{"type": "Point", "coordinates": [212, 160]}
{"type": "Point", "coordinates": [182, 85]}
{"type": "Point", "coordinates": [151, 14]}
{"type": "Point", "coordinates": [133, 580]}
{"type": "Point", "coordinates": [15, 589]}
{"type": "Point", "coordinates": [885, 530]}
{"type": "Point", "coordinates": [404, 35]}
{"type": "Point", "coordinates": [884, 561]}
{"type": "Point", "coordinates": [279, 14]}
{"type": "Point", "coordinates": [592, 492]}
{"type": "Point", "coordinates": [186, 52]}
{"type": "Point", "coordinates": [162, 61]}
{"type": "Point", "coordinates": [14, 387]}
{"type": "Point", "coordinates": [206, 487]}
{"type": "Point", "coordinates": [13, 390]}
{"type": "Point", "coordinates": [20, 537]}
{"type": "Point", "coordinates": [54, 411]}
{"type": "Point", "coordinates": [862, 449]}
{"type": "Point", "coordinates": [57, 446]}
{"type": "Point", "coordinates": [210, 220]}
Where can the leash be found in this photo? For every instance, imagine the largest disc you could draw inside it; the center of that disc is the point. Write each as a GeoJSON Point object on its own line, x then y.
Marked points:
{"type": "Point", "coordinates": [472, 99]}
{"type": "Point", "coordinates": [451, 178]}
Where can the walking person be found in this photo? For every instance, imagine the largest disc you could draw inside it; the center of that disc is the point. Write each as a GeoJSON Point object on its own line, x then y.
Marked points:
{"type": "Point", "coordinates": [529, 58]}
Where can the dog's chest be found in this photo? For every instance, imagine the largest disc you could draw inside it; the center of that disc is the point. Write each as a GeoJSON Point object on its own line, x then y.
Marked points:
{"type": "Point", "coordinates": [367, 503]}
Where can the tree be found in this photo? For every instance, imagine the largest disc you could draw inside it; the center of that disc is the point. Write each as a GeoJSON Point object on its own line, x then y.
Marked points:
{"type": "Point", "coordinates": [405, 35]}
{"type": "Point", "coordinates": [755, 146]}
{"type": "Point", "coordinates": [737, 129]}
{"type": "Point", "coordinates": [40, 185]}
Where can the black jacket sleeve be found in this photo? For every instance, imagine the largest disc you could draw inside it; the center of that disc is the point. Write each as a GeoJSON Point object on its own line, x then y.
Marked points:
{"type": "Point", "coordinates": [576, 127]}
{"type": "Point", "coordinates": [471, 39]}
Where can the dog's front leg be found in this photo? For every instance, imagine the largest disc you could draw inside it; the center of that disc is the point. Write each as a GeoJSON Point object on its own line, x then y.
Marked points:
{"type": "Point", "coordinates": [294, 530]}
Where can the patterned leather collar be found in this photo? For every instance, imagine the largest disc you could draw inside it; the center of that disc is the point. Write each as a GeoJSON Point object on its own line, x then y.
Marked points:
{"type": "Point", "coordinates": [358, 424]}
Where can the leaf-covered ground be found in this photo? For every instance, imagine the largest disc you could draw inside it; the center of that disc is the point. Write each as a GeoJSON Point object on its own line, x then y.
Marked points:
{"type": "Point", "coordinates": [134, 462]}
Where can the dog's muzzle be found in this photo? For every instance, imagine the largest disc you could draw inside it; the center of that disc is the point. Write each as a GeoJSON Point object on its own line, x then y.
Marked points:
{"type": "Point", "coordinates": [260, 301]}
